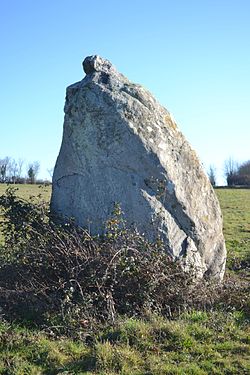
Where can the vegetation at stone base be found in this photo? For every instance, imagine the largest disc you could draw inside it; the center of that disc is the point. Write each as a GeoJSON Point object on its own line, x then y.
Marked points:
{"type": "Point", "coordinates": [116, 305]}
{"type": "Point", "coordinates": [235, 205]}
{"type": "Point", "coordinates": [49, 269]}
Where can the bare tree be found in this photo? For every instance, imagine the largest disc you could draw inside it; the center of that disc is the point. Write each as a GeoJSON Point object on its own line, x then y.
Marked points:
{"type": "Point", "coordinates": [244, 169]}
{"type": "Point", "coordinates": [13, 170]}
{"type": "Point", "coordinates": [230, 170]}
{"type": "Point", "coordinates": [3, 170]}
{"type": "Point", "coordinates": [20, 167]}
{"type": "Point", "coordinates": [50, 172]}
{"type": "Point", "coordinates": [4, 166]}
{"type": "Point", "coordinates": [242, 177]}
{"type": "Point", "coordinates": [212, 175]}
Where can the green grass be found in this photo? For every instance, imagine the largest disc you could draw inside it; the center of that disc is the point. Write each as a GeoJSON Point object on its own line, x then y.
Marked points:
{"type": "Point", "coordinates": [24, 351]}
{"type": "Point", "coordinates": [27, 191]}
{"type": "Point", "coordinates": [196, 343]}
{"type": "Point", "coordinates": [235, 205]}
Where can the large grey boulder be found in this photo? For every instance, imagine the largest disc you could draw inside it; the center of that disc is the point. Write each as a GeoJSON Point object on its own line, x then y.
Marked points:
{"type": "Point", "coordinates": [120, 145]}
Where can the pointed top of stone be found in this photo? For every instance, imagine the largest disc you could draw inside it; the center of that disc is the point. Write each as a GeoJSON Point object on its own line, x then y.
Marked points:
{"type": "Point", "coordinates": [95, 63]}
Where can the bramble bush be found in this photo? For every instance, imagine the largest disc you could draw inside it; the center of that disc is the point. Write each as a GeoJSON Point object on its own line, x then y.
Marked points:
{"type": "Point", "coordinates": [60, 275]}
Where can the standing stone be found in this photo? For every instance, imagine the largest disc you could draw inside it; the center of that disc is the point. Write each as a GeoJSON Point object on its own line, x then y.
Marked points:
{"type": "Point", "coordinates": [120, 145]}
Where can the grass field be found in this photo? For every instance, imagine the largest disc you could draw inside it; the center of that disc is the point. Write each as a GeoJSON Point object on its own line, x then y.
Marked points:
{"type": "Point", "coordinates": [235, 205]}
{"type": "Point", "coordinates": [27, 191]}
{"type": "Point", "coordinates": [196, 342]}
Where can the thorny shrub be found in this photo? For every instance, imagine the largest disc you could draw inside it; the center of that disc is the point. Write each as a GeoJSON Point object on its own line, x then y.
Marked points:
{"type": "Point", "coordinates": [61, 275]}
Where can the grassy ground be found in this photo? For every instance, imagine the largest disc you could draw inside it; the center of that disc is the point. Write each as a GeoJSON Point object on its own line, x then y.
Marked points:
{"type": "Point", "coordinates": [235, 205]}
{"type": "Point", "coordinates": [195, 343]}
{"type": "Point", "coordinates": [27, 191]}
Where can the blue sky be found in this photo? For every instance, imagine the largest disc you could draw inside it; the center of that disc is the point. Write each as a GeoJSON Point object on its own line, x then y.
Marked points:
{"type": "Point", "coordinates": [193, 55]}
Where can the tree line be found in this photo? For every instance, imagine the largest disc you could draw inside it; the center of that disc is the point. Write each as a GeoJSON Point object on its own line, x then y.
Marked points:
{"type": "Point", "coordinates": [235, 174]}
{"type": "Point", "coordinates": [15, 171]}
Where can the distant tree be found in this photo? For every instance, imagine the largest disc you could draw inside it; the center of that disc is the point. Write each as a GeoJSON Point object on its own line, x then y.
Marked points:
{"type": "Point", "coordinates": [13, 170]}
{"type": "Point", "coordinates": [238, 175]}
{"type": "Point", "coordinates": [230, 170]}
{"type": "Point", "coordinates": [33, 170]}
{"type": "Point", "coordinates": [20, 167]}
{"type": "Point", "coordinates": [4, 165]}
{"type": "Point", "coordinates": [212, 175]}
{"type": "Point", "coordinates": [31, 174]}
{"type": "Point", "coordinates": [50, 172]}
{"type": "Point", "coordinates": [244, 168]}
{"type": "Point", "coordinates": [242, 177]}
{"type": "Point", "coordinates": [3, 170]}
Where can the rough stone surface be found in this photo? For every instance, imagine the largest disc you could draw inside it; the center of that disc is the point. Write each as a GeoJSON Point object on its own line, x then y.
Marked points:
{"type": "Point", "coordinates": [120, 145]}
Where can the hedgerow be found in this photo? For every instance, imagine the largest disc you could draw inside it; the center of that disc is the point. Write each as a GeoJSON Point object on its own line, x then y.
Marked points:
{"type": "Point", "coordinates": [60, 275]}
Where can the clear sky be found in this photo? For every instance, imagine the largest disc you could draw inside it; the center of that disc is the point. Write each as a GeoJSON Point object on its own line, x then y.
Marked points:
{"type": "Point", "coordinates": [193, 55]}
